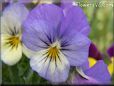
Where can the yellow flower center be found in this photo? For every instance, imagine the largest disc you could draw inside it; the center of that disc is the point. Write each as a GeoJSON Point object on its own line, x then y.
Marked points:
{"type": "Point", "coordinates": [13, 41]}
{"type": "Point", "coordinates": [92, 61]}
{"type": "Point", "coordinates": [110, 66]}
{"type": "Point", "coordinates": [53, 51]}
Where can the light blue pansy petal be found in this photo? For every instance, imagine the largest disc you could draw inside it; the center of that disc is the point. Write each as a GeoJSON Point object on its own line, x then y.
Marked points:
{"type": "Point", "coordinates": [41, 25]}
{"type": "Point", "coordinates": [77, 49]}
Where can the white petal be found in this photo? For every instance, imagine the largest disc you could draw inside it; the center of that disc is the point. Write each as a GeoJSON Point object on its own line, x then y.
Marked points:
{"type": "Point", "coordinates": [81, 72]}
{"type": "Point", "coordinates": [10, 55]}
{"type": "Point", "coordinates": [12, 17]}
{"type": "Point", "coordinates": [54, 72]}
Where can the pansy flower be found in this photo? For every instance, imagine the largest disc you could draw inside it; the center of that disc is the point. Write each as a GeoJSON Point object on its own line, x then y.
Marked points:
{"type": "Point", "coordinates": [94, 71]}
{"type": "Point", "coordinates": [94, 55]}
{"type": "Point", "coordinates": [11, 31]}
{"type": "Point", "coordinates": [94, 52]}
{"type": "Point", "coordinates": [59, 39]}
{"type": "Point", "coordinates": [97, 74]}
{"type": "Point", "coordinates": [110, 52]}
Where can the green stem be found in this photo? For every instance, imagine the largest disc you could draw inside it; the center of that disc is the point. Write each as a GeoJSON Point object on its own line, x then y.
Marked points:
{"type": "Point", "coordinates": [29, 77]}
{"type": "Point", "coordinates": [11, 75]}
{"type": "Point", "coordinates": [94, 15]}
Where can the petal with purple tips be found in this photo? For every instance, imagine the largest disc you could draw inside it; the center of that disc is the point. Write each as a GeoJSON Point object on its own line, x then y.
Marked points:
{"type": "Point", "coordinates": [55, 71]}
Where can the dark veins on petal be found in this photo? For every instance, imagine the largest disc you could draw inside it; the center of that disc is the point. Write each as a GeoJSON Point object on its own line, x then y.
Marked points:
{"type": "Point", "coordinates": [13, 31]}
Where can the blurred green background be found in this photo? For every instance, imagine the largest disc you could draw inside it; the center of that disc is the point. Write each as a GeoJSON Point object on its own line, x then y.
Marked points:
{"type": "Point", "coordinates": [101, 22]}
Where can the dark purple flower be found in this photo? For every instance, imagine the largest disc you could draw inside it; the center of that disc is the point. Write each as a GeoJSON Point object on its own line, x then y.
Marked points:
{"type": "Point", "coordinates": [98, 74]}
{"type": "Point", "coordinates": [110, 51]}
{"type": "Point", "coordinates": [94, 52]}
{"type": "Point", "coordinates": [59, 40]}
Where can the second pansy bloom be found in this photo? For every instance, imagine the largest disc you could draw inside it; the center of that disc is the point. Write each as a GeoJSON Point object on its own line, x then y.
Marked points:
{"type": "Point", "coordinates": [11, 32]}
{"type": "Point", "coordinates": [59, 40]}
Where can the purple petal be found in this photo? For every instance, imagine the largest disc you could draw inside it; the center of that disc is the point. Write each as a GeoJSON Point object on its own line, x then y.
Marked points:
{"type": "Point", "coordinates": [94, 52]}
{"type": "Point", "coordinates": [75, 20]}
{"type": "Point", "coordinates": [99, 72]}
{"type": "Point", "coordinates": [85, 65]}
{"type": "Point", "coordinates": [110, 51]}
{"type": "Point", "coordinates": [77, 49]}
{"type": "Point", "coordinates": [41, 25]}
{"type": "Point", "coordinates": [66, 5]}
{"type": "Point", "coordinates": [52, 14]}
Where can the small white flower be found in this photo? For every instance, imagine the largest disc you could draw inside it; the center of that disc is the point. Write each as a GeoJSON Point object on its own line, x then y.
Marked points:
{"type": "Point", "coordinates": [11, 31]}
